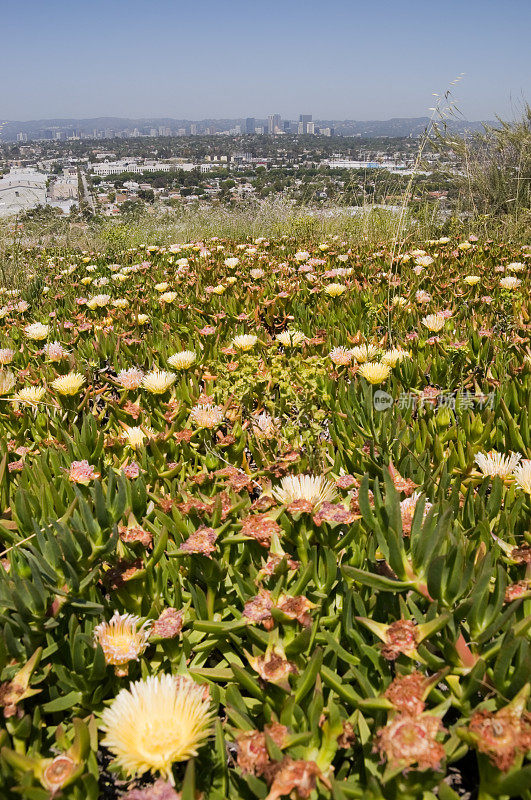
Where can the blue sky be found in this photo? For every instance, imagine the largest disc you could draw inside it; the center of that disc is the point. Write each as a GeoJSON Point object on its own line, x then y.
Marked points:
{"type": "Point", "coordinates": [229, 58]}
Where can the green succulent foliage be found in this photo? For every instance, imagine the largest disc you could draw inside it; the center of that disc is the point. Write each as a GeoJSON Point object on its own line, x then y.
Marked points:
{"type": "Point", "coordinates": [300, 616]}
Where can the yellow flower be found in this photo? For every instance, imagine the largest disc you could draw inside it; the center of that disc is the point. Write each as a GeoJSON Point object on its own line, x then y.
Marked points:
{"type": "Point", "coordinates": [219, 289]}
{"type": "Point", "coordinates": [30, 395]}
{"type": "Point", "coordinates": [364, 352]}
{"type": "Point", "coordinates": [168, 297]}
{"type": "Point", "coordinates": [141, 319]}
{"type": "Point", "coordinates": [156, 723]}
{"type": "Point", "coordinates": [464, 246]}
{"type": "Point", "coordinates": [68, 384]}
{"type": "Point", "coordinates": [434, 322]}
{"type": "Point", "coordinates": [472, 279]}
{"type": "Point", "coordinates": [158, 381]}
{"type": "Point", "coordinates": [335, 289]}
{"type": "Point", "coordinates": [122, 640]}
{"type": "Point", "coordinates": [245, 341]}
{"type": "Point", "coordinates": [182, 360]}
{"type": "Point", "coordinates": [161, 287]}
{"type": "Point", "coordinates": [375, 373]}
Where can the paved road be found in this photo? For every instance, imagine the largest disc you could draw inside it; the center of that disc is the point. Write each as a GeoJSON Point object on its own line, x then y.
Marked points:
{"type": "Point", "coordinates": [86, 193]}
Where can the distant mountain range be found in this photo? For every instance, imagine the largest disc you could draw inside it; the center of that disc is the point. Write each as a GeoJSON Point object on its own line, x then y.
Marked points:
{"type": "Point", "coordinates": [107, 127]}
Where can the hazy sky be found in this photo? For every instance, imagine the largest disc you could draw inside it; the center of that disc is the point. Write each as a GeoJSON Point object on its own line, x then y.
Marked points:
{"type": "Point", "coordinates": [232, 58]}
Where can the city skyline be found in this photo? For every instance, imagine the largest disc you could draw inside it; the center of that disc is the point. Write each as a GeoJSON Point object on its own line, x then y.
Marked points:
{"type": "Point", "coordinates": [351, 61]}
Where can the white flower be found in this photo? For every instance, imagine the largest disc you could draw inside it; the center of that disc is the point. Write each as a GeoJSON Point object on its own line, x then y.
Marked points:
{"type": "Point", "coordinates": [182, 360]}
{"type": "Point", "coordinates": [245, 341]}
{"type": "Point", "coordinates": [494, 463]}
{"type": "Point", "coordinates": [312, 488]}
{"type": "Point", "coordinates": [36, 331]}
{"type": "Point", "coordinates": [291, 338]}
{"type": "Point", "coordinates": [510, 282]}
{"type": "Point", "coordinates": [522, 474]}
{"type": "Point", "coordinates": [340, 356]}
{"type": "Point", "coordinates": [158, 381]}
{"type": "Point", "coordinates": [364, 352]}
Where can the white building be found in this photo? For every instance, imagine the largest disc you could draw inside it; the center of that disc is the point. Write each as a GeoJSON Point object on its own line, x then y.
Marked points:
{"type": "Point", "coordinates": [117, 167]}
{"type": "Point", "coordinates": [20, 190]}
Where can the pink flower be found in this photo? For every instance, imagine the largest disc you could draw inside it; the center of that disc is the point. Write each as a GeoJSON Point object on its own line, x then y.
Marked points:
{"type": "Point", "coordinates": [82, 472]}
{"type": "Point", "coordinates": [132, 470]}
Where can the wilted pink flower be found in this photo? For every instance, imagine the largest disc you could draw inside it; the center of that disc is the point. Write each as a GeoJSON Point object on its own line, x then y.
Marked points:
{"type": "Point", "coordinates": [408, 741]}
{"type": "Point", "coordinates": [132, 470]}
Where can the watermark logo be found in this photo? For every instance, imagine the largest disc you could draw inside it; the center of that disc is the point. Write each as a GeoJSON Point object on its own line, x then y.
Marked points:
{"type": "Point", "coordinates": [456, 401]}
{"type": "Point", "coordinates": [382, 400]}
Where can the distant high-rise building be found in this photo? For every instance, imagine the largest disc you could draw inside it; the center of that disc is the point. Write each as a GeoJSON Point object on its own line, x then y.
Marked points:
{"type": "Point", "coordinates": [193, 129]}
{"type": "Point", "coordinates": [22, 137]}
{"type": "Point", "coordinates": [274, 122]}
{"type": "Point", "coordinates": [250, 125]}
{"type": "Point", "coordinates": [164, 131]}
{"type": "Point", "coordinates": [304, 121]}
{"type": "Point", "coordinates": [259, 130]}
{"type": "Point", "coordinates": [310, 127]}
{"type": "Point", "coordinates": [300, 128]}
{"type": "Point", "coordinates": [287, 126]}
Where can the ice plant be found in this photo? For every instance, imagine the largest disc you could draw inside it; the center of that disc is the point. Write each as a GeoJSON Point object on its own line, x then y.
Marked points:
{"type": "Point", "coordinates": [291, 338]}
{"type": "Point", "coordinates": [69, 384]}
{"type": "Point", "coordinates": [36, 331]}
{"type": "Point", "coordinates": [7, 382]}
{"type": "Point", "coordinates": [434, 322]}
{"type": "Point", "coordinates": [494, 463]}
{"type": "Point", "coordinates": [407, 511]}
{"type": "Point", "coordinates": [510, 282]}
{"type": "Point", "coordinates": [122, 640]}
{"type": "Point", "coordinates": [82, 472]}
{"type": "Point", "coordinates": [157, 723]}
{"type": "Point", "coordinates": [183, 360]}
{"type": "Point", "coordinates": [55, 351]}
{"type": "Point", "coordinates": [130, 379]}
{"type": "Point", "coordinates": [244, 342]}
{"type": "Point", "coordinates": [207, 416]}
{"type": "Point", "coordinates": [375, 373]}
{"type": "Point", "coordinates": [410, 741]}
{"type": "Point", "coordinates": [340, 356]}
{"type": "Point", "coordinates": [158, 381]}
{"type": "Point", "coordinates": [335, 289]}
{"type": "Point", "coordinates": [364, 352]}
{"type": "Point", "coordinates": [30, 395]}
{"type": "Point", "coordinates": [522, 475]}
{"type": "Point", "coordinates": [394, 356]}
{"type": "Point", "coordinates": [313, 489]}
{"type": "Point", "coordinates": [6, 356]}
